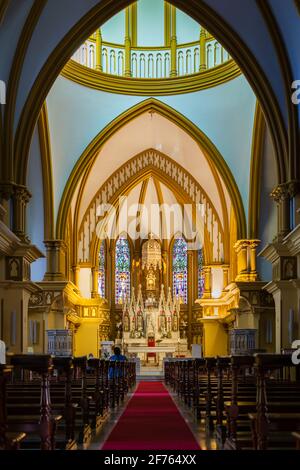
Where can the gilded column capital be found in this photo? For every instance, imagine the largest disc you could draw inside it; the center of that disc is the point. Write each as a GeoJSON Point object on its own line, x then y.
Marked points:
{"type": "Point", "coordinates": [241, 245]}
{"type": "Point", "coordinates": [281, 192]}
{"type": "Point", "coordinates": [21, 193]}
{"type": "Point", "coordinates": [253, 244]}
{"type": "Point", "coordinates": [55, 244]}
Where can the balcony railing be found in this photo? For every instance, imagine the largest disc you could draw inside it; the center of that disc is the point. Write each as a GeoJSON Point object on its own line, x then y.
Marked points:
{"type": "Point", "coordinates": [151, 63]}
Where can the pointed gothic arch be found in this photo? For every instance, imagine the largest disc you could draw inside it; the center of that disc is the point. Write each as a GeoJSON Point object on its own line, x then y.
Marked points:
{"type": "Point", "coordinates": [85, 163]}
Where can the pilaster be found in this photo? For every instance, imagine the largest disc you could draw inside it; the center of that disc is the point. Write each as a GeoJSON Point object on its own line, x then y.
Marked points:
{"type": "Point", "coordinates": [21, 197]}
{"type": "Point", "coordinates": [246, 260]}
{"type": "Point", "coordinates": [207, 282]}
{"type": "Point", "coordinates": [56, 260]}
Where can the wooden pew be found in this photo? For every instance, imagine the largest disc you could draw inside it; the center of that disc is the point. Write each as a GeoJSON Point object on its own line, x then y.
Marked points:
{"type": "Point", "coordinates": [270, 418]}
{"type": "Point", "coordinates": [8, 440]}
{"type": "Point", "coordinates": [210, 363]}
{"type": "Point", "coordinates": [222, 366]}
{"type": "Point", "coordinates": [32, 420]}
{"type": "Point", "coordinates": [199, 368]}
{"type": "Point", "coordinates": [296, 435]}
{"type": "Point", "coordinates": [85, 431]}
{"type": "Point", "coordinates": [64, 366]}
{"type": "Point", "coordinates": [239, 365]}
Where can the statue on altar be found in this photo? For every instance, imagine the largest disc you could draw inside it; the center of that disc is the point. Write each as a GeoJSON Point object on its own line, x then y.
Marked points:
{"type": "Point", "coordinates": [151, 318]}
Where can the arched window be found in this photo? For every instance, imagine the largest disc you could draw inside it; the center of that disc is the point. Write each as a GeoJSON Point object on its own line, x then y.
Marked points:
{"type": "Point", "coordinates": [180, 269]}
{"type": "Point", "coordinates": [101, 270]}
{"type": "Point", "coordinates": [200, 274]}
{"type": "Point", "coordinates": [122, 265]}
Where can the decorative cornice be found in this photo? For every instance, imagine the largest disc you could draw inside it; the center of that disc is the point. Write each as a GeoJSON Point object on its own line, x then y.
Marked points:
{"type": "Point", "coordinates": [29, 252]}
{"type": "Point", "coordinates": [28, 286]}
{"type": "Point", "coordinates": [8, 240]}
{"type": "Point", "coordinates": [292, 241]}
{"type": "Point", "coordinates": [273, 251]}
{"type": "Point", "coordinates": [88, 77]}
{"type": "Point", "coordinates": [274, 286]}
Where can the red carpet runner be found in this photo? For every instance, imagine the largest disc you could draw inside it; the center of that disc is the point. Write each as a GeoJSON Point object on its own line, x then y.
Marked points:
{"type": "Point", "coordinates": [151, 421]}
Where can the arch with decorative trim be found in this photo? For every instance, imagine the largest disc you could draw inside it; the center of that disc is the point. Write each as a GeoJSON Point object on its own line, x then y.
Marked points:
{"type": "Point", "coordinates": [85, 163]}
{"type": "Point", "coordinates": [95, 18]}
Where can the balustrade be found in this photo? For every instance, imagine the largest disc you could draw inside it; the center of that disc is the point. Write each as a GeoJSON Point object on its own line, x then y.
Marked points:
{"type": "Point", "coordinates": [151, 63]}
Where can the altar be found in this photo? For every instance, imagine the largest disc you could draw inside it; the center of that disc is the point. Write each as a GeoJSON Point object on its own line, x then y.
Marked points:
{"type": "Point", "coordinates": [150, 329]}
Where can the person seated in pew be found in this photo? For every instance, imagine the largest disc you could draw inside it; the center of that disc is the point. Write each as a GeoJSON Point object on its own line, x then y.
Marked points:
{"type": "Point", "coordinates": [117, 356]}
{"type": "Point", "coordinates": [90, 370]}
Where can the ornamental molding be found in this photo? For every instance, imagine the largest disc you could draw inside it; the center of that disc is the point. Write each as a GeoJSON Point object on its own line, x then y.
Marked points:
{"type": "Point", "coordinates": [170, 173]}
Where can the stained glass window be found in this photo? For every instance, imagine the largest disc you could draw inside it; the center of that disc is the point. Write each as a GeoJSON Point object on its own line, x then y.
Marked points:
{"type": "Point", "coordinates": [180, 269]}
{"type": "Point", "coordinates": [101, 270]}
{"type": "Point", "coordinates": [122, 283]}
{"type": "Point", "coordinates": [200, 274]}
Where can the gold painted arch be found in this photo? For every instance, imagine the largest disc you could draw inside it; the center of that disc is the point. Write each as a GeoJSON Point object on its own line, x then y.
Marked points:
{"type": "Point", "coordinates": [105, 9]}
{"type": "Point", "coordinates": [86, 160]}
{"type": "Point", "coordinates": [143, 174]}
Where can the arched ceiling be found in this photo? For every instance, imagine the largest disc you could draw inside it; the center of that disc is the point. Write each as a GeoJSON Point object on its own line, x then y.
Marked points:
{"type": "Point", "coordinates": [77, 115]}
{"type": "Point", "coordinates": [140, 201]}
{"type": "Point", "coordinates": [124, 203]}
{"type": "Point", "coordinates": [151, 130]}
{"type": "Point", "coordinates": [258, 34]}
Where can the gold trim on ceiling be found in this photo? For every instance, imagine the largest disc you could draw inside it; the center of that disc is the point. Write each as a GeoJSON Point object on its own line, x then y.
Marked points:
{"type": "Point", "coordinates": [88, 77]}
{"type": "Point", "coordinates": [97, 16]}
{"type": "Point", "coordinates": [46, 160]}
{"type": "Point", "coordinates": [143, 175]}
{"type": "Point", "coordinates": [85, 162]}
{"type": "Point", "coordinates": [258, 138]}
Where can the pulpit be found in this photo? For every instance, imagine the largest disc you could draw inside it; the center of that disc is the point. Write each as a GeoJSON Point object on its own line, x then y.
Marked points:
{"type": "Point", "coordinates": [242, 341]}
{"type": "Point", "coordinates": [60, 342]}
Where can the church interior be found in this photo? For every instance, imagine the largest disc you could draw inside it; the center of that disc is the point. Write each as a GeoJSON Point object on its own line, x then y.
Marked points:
{"type": "Point", "coordinates": [149, 224]}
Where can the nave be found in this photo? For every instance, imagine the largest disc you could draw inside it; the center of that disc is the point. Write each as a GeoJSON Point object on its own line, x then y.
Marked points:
{"type": "Point", "coordinates": [231, 403]}
{"type": "Point", "coordinates": [149, 203]}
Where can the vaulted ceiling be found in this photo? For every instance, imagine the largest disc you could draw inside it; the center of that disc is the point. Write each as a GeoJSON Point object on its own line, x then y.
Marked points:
{"type": "Point", "coordinates": [38, 37]}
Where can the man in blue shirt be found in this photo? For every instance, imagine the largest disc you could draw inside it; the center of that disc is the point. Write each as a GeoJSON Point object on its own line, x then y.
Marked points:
{"type": "Point", "coordinates": [117, 356]}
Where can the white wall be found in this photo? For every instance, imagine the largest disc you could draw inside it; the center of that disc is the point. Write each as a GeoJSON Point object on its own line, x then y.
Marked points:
{"type": "Point", "coordinates": [85, 282]}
